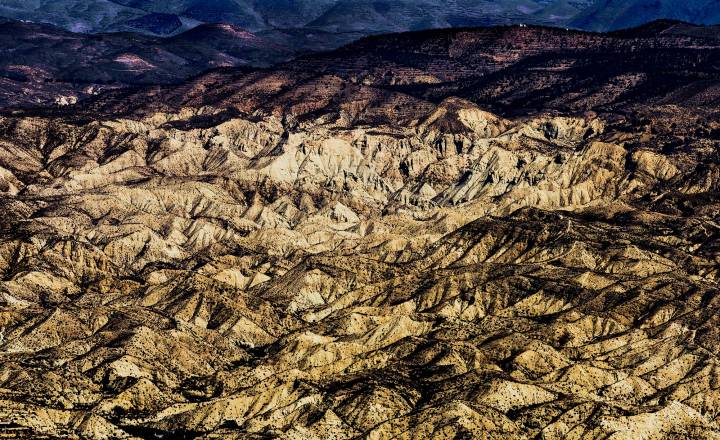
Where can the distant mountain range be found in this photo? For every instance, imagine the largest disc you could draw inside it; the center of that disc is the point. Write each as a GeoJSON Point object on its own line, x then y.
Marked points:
{"type": "Point", "coordinates": [509, 70]}
{"type": "Point", "coordinates": [350, 17]}
{"type": "Point", "coordinates": [41, 64]}
{"type": "Point", "coordinates": [620, 14]}
{"type": "Point", "coordinates": [63, 50]}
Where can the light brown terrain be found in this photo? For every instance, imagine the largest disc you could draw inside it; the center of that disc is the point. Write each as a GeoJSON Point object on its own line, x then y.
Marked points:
{"type": "Point", "coordinates": [343, 271]}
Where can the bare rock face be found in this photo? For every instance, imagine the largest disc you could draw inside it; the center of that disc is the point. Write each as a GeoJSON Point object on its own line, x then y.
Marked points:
{"type": "Point", "coordinates": [206, 274]}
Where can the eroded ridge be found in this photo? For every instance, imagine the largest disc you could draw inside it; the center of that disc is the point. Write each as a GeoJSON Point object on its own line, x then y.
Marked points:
{"type": "Point", "coordinates": [458, 275]}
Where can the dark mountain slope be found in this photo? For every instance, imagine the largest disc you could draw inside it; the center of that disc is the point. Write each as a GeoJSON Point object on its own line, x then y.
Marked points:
{"type": "Point", "coordinates": [41, 63]}
{"type": "Point", "coordinates": [505, 69]}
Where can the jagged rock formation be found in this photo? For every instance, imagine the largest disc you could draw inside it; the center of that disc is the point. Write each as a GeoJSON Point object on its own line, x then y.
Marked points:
{"type": "Point", "coordinates": [292, 264]}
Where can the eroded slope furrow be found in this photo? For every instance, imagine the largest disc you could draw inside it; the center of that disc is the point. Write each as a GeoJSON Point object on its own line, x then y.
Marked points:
{"type": "Point", "coordinates": [460, 275]}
